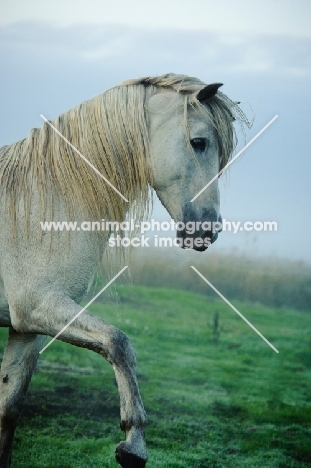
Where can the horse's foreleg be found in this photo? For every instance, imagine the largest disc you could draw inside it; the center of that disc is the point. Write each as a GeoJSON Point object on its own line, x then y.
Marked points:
{"type": "Point", "coordinates": [17, 366]}
{"type": "Point", "coordinates": [91, 332]}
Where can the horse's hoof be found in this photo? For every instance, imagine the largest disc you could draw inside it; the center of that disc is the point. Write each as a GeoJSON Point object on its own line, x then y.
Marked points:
{"type": "Point", "coordinates": [127, 459]}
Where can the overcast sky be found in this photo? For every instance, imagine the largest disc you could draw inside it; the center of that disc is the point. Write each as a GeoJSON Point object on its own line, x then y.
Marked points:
{"type": "Point", "coordinates": [57, 54]}
{"type": "Point", "coordinates": [289, 17]}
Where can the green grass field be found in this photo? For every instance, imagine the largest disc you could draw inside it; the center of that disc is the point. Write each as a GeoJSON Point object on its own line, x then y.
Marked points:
{"type": "Point", "coordinates": [214, 397]}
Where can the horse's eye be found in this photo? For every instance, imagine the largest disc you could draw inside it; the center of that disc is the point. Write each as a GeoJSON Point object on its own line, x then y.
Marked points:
{"type": "Point", "coordinates": [198, 144]}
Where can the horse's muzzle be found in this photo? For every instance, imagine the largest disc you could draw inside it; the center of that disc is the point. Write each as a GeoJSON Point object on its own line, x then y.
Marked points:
{"type": "Point", "coordinates": [209, 240]}
{"type": "Point", "coordinates": [199, 241]}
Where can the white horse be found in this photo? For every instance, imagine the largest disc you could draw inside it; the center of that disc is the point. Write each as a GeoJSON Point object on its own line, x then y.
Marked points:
{"type": "Point", "coordinates": [173, 133]}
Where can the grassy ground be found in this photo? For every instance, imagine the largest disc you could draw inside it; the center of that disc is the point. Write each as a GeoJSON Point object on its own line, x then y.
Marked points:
{"type": "Point", "coordinates": [215, 396]}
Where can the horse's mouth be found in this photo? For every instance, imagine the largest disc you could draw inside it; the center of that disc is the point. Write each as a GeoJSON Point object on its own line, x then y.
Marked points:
{"type": "Point", "coordinates": [204, 246]}
{"type": "Point", "coordinates": [199, 235]}
{"type": "Point", "coordinates": [199, 244]}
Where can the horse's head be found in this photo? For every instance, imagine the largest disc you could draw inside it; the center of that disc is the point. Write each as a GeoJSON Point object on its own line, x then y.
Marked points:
{"type": "Point", "coordinates": [186, 152]}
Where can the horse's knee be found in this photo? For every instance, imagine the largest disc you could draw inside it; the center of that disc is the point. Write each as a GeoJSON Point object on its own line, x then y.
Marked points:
{"type": "Point", "coordinates": [121, 350]}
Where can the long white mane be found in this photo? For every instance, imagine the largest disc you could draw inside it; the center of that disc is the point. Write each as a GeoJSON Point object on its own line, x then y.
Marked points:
{"type": "Point", "coordinates": [111, 131]}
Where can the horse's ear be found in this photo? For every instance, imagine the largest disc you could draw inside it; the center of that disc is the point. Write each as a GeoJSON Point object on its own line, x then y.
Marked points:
{"type": "Point", "coordinates": [208, 92]}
